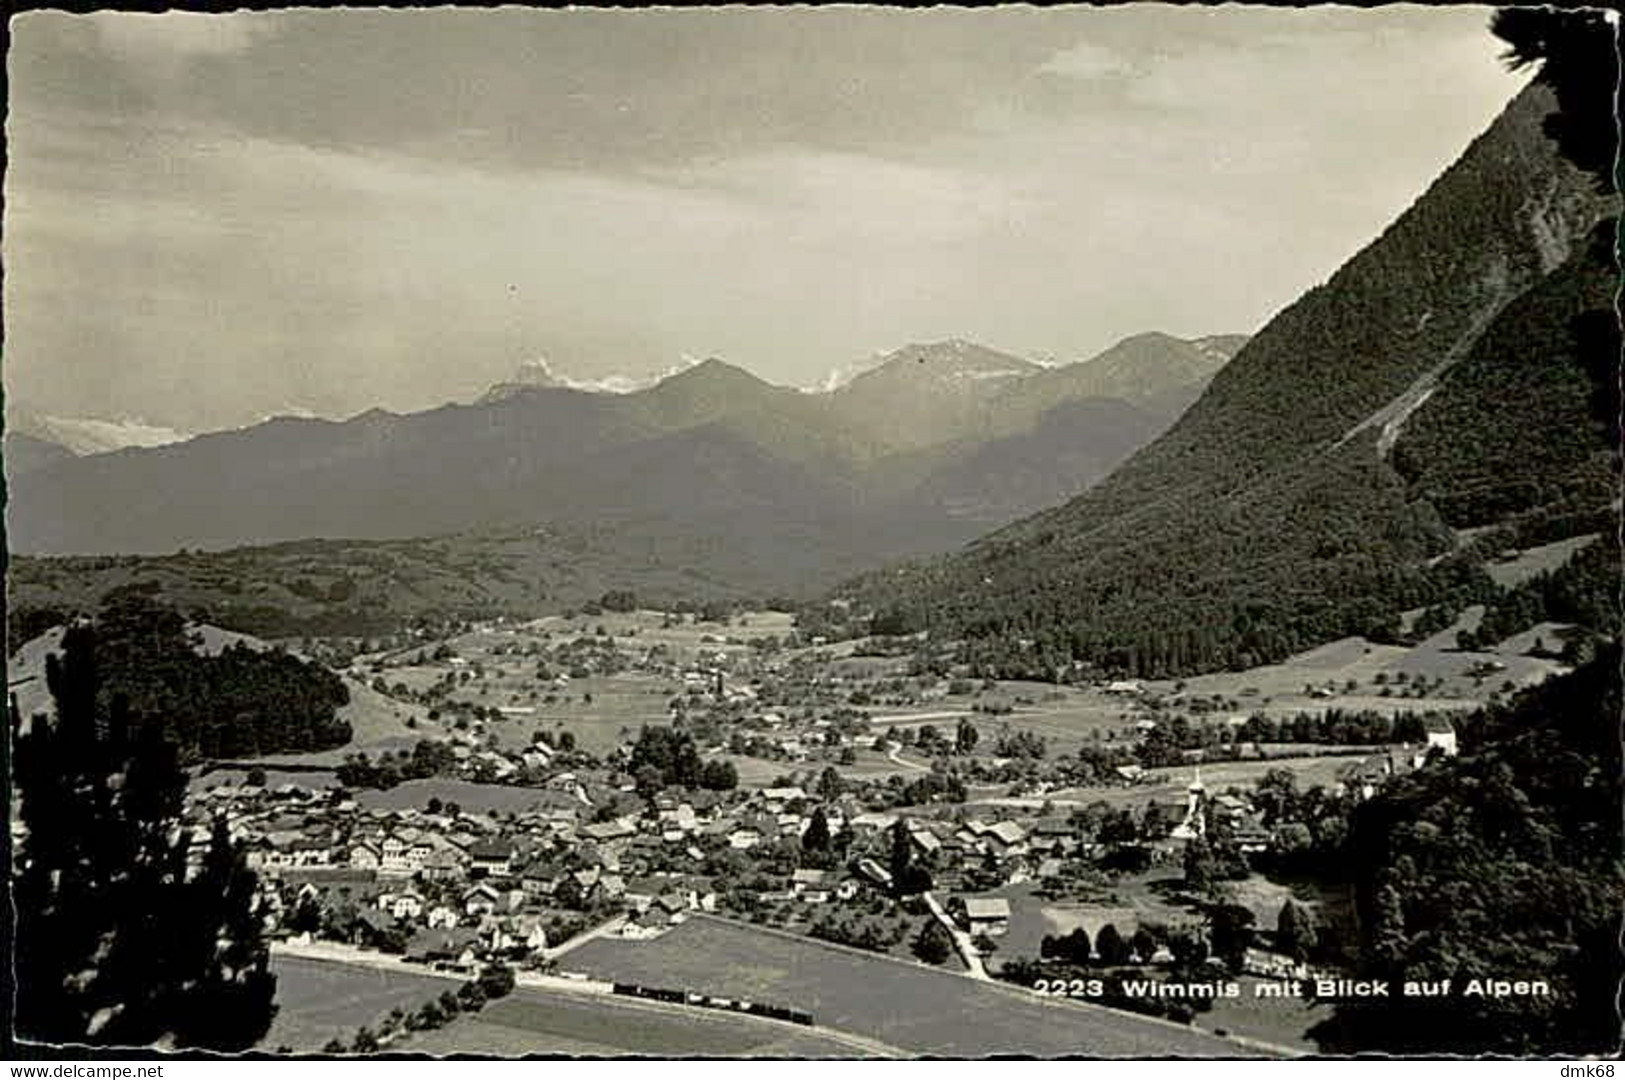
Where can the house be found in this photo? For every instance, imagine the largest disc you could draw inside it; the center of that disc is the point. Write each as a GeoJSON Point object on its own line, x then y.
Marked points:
{"type": "Point", "coordinates": [491, 857]}
{"type": "Point", "coordinates": [776, 799]}
{"type": "Point", "coordinates": [876, 873]}
{"type": "Point", "coordinates": [988, 915]}
{"type": "Point", "coordinates": [443, 917]}
{"type": "Point", "coordinates": [1440, 734]}
{"type": "Point", "coordinates": [744, 839]}
{"type": "Point", "coordinates": [403, 905]}
{"type": "Point", "coordinates": [402, 855]}
{"type": "Point", "coordinates": [680, 817]}
{"type": "Point", "coordinates": [364, 856]}
{"type": "Point", "coordinates": [445, 864]}
{"type": "Point", "coordinates": [804, 881]}
{"type": "Point", "coordinates": [604, 832]}
{"type": "Point", "coordinates": [451, 948]}
{"type": "Point", "coordinates": [1123, 686]}
{"type": "Point", "coordinates": [640, 893]}
{"type": "Point", "coordinates": [528, 933]}
{"type": "Point", "coordinates": [1051, 830]}
{"type": "Point", "coordinates": [582, 885]}
{"type": "Point", "coordinates": [869, 824]}
{"type": "Point", "coordinates": [925, 841]}
{"type": "Point", "coordinates": [482, 899]}
{"type": "Point", "coordinates": [1007, 838]}
{"type": "Point", "coordinates": [1250, 839]}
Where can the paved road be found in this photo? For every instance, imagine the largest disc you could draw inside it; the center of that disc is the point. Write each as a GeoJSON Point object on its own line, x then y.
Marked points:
{"type": "Point", "coordinates": [336, 953]}
{"type": "Point", "coordinates": [962, 942]}
{"type": "Point", "coordinates": [613, 926]}
{"type": "Point", "coordinates": [918, 718]}
{"type": "Point", "coordinates": [892, 756]}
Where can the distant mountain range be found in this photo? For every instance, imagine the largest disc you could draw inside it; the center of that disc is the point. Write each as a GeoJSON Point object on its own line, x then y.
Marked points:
{"type": "Point", "coordinates": [930, 447]}
{"type": "Point", "coordinates": [80, 435]}
{"type": "Point", "coordinates": [1452, 387]}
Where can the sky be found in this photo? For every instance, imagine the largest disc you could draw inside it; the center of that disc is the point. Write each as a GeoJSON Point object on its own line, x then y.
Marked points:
{"type": "Point", "coordinates": [211, 219]}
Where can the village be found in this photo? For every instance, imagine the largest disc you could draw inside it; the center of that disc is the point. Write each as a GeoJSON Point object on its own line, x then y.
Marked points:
{"type": "Point", "coordinates": [591, 778]}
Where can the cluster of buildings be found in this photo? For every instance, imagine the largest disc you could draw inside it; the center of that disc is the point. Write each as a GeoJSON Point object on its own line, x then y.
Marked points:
{"type": "Point", "coordinates": [457, 887]}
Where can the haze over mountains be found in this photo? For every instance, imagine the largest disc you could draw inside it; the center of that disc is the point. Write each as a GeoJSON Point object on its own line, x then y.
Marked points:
{"type": "Point", "coordinates": [1454, 381]}
{"type": "Point", "coordinates": [930, 447]}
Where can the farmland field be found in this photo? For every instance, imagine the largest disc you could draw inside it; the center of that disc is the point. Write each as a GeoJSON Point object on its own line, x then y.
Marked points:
{"type": "Point", "coordinates": [627, 701]}
{"type": "Point", "coordinates": [471, 797]}
{"type": "Point", "coordinates": [906, 1005]}
{"type": "Point", "coordinates": [1537, 560]}
{"type": "Point", "coordinates": [318, 1000]}
{"type": "Point", "coordinates": [1280, 1021]}
{"type": "Point", "coordinates": [1170, 784]}
{"type": "Point", "coordinates": [1154, 897]}
{"type": "Point", "coordinates": [532, 1021]}
{"type": "Point", "coordinates": [1278, 689]}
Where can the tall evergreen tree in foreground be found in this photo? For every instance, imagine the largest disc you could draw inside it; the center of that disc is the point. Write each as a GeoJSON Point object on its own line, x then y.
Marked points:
{"type": "Point", "coordinates": [1577, 54]}
{"type": "Point", "coordinates": [116, 941]}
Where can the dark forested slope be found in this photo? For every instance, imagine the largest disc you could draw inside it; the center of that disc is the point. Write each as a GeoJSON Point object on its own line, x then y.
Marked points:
{"type": "Point", "coordinates": [1504, 863]}
{"type": "Point", "coordinates": [1270, 517]}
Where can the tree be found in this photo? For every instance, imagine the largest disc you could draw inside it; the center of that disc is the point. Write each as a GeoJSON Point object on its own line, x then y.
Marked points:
{"type": "Point", "coordinates": [1388, 944]}
{"type": "Point", "coordinates": [1111, 946]}
{"type": "Point", "coordinates": [1230, 929]}
{"type": "Point", "coordinates": [902, 854]}
{"type": "Point", "coordinates": [1201, 869]}
{"type": "Point", "coordinates": [965, 737]}
{"type": "Point", "coordinates": [815, 841]}
{"type": "Point", "coordinates": [114, 944]}
{"type": "Point", "coordinates": [648, 781]}
{"type": "Point", "coordinates": [1295, 930]}
{"type": "Point", "coordinates": [496, 981]}
{"type": "Point", "coordinates": [933, 944]}
{"type": "Point", "coordinates": [1576, 56]}
{"type": "Point", "coordinates": [1189, 949]}
{"type": "Point", "coordinates": [719, 775]}
{"type": "Point", "coordinates": [1076, 947]}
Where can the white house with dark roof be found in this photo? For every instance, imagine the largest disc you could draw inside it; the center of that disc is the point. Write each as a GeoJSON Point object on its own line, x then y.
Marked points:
{"type": "Point", "coordinates": [491, 856]}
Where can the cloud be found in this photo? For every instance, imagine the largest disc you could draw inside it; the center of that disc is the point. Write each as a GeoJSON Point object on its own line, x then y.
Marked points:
{"type": "Point", "coordinates": [1086, 60]}
{"type": "Point", "coordinates": [143, 39]}
{"type": "Point", "coordinates": [397, 208]}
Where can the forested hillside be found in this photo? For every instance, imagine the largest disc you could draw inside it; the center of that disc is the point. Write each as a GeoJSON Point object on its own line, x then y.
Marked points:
{"type": "Point", "coordinates": [1504, 863]}
{"type": "Point", "coordinates": [1272, 517]}
{"type": "Point", "coordinates": [1520, 431]}
{"type": "Point", "coordinates": [241, 701]}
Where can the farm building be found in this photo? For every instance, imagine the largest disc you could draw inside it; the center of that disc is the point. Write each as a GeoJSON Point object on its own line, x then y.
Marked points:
{"type": "Point", "coordinates": [985, 914]}
{"type": "Point", "coordinates": [491, 857]}
{"type": "Point", "coordinates": [1441, 734]}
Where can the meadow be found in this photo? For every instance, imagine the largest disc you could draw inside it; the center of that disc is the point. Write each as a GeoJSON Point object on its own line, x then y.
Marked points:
{"type": "Point", "coordinates": [915, 1008]}
{"type": "Point", "coordinates": [318, 1000]}
{"type": "Point", "coordinates": [534, 1021]}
